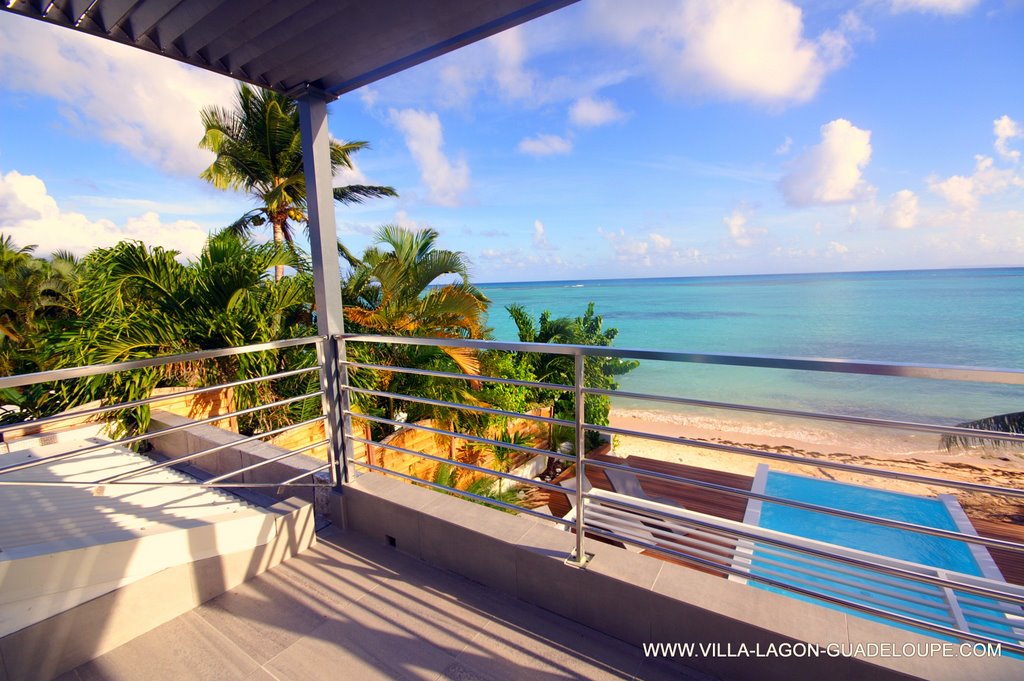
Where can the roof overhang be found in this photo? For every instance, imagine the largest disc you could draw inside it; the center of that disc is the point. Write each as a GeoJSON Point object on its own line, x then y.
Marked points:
{"type": "Point", "coordinates": [292, 46]}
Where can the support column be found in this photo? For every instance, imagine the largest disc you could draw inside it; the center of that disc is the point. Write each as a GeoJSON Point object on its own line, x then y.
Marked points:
{"type": "Point", "coordinates": [323, 242]}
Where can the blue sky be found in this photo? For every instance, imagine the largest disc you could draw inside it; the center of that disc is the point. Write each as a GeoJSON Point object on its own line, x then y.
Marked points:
{"type": "Point", "coordinates": [609, 139]}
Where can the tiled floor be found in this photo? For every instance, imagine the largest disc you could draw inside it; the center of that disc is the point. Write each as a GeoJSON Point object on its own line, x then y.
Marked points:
{"type": "Point", "coordinates": [351, 609]}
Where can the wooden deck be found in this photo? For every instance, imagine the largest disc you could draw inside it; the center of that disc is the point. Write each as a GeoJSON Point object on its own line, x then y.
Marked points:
{"type": "Point", "coordinates": [1010, 563]}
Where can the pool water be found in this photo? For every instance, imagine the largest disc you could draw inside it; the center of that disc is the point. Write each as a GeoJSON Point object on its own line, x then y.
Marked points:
{"type": "Point", "coordinates": [863, 587]}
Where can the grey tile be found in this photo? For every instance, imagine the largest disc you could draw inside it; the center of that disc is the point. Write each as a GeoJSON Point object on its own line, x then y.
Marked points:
{"type": "Point", "coordinates": [184, 648]}
{"type": "Point", "coordinates": [263, 616]}
{"type": "Point", "coordinates": [527, 642]}
{"type": "Point", "coordinates": [365, 646]}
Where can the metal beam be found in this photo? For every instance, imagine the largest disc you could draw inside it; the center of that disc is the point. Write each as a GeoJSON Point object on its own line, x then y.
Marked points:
{"type": "Point", "coordinates": [323, 243]}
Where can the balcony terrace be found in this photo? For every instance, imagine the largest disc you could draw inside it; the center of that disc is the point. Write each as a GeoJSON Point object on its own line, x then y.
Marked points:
{"type": "Point", "coordinates": [198, 558]}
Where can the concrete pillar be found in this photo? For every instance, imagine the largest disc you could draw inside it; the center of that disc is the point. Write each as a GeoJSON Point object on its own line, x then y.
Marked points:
{"type": "Point", "coordinates": [323, 242]}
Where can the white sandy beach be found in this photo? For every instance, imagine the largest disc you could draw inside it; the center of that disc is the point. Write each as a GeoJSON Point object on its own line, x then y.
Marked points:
{"type": "Point", "coordinates": [920, 453]}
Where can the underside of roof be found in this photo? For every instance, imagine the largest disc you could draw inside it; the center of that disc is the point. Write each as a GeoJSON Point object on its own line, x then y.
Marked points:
{"type": "Point", "coordinates": [333, 46]}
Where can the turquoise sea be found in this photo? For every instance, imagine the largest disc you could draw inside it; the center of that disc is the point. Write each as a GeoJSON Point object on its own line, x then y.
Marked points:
{"type": "Point", "coordinates": [965, 317]}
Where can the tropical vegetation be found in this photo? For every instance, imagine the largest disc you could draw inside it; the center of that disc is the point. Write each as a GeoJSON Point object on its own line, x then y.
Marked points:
{"type": "Point", "coordinates": [258, 150]}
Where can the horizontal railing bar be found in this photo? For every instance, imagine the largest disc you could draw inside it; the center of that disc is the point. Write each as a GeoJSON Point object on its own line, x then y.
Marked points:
{"type": "Point", "coordinates": [459, 436]}
{"type": "Point", "coordinates": [463, 493]}
{"type": "Point", "coordinates": [841, 569]}
{"type": "Point", "coordinates": [994, 632]}
{"type": "Point", "coordinates": [970, 602]}
{"type": "Point", "coordinates": [318, 469]}
{"type": "Point", "coordinates": [148, 436]}
{"type": "Point", "coordinates": [98, 369]}
{"type": "Point", "coordinates": [265, 462]}
{"type": "Point", "coordinates": [810, 547]}
{"type": "Point", "coordinates": [461, 464]}
{"type": "Point", "coordinates": [877, 612]}
{"type": "Point", "coordinates": [942, 372]}
{"type": "Point", "coordinates": [815, 508]}
{"type": "Point", "coordinates": [459, 405]}
{"type": "Point", "coordinates": [933, 604]}
{"type": "Point", "coordinates": [212, 450]}
{"type": "Point", "coordinates": [974, 613]}
{"type": "Point", "coordinates": [856, 420]}
{"type": "Point", "coordinates": [457, 376]}
{"type": "Point", "coordinates": [150, 400]}
{"type": "Point", "coordinates": [817, 463]}
{"type": "Point", "coordinates": [124, 483]}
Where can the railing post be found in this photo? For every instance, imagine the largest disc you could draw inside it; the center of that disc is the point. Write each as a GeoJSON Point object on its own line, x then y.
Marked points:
{"type": "Point", "coordinates": [579, 557]}
{"type": "Point", "coordinates": [323, 246]}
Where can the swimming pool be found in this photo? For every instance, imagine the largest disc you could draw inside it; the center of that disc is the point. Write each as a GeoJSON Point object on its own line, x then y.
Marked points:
{"type": "Point", "coordinates": [922, 601]}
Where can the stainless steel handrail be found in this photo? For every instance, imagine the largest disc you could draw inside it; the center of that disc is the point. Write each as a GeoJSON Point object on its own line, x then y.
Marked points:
{"type": "Point", "coordinates": [463, 493]}
{"type": "Point", "coordinates": [457, 405]}
{"type": "Point", "coordinates": [459, 376]}
{"type": "Point", "coordinates": [816, 508]}
{"type": "Point", "coordinates": [810, 593]}
{"type": "Point", "coordinates": [210, 450]}
{"type": "Point", "coordinates": [943, 372]}
{"type": "Point", "coordinates": [460, 436]}
{"type": "Point", "coordinates": [84, 413]}
{"type": "Point", "coordinates": [461, 464]}
{"type": "Point", "coordinates": [818, 416]}
{"type": "Point", "coordinates": [98, 369]}
{"type": "Point", "coordinates": [148, 436]}
{"type": "Point", "coordinates": [816, 463]}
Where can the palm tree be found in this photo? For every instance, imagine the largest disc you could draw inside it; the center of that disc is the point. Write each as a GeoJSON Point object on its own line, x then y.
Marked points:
{"type": "Point", "coordinates": [394, 291]}
{"type": "Point", "coordinates": [259, 150]}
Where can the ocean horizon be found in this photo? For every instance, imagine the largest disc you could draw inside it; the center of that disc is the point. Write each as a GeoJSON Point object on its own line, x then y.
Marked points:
{"type": "Point", "coordinates": [969, 317]}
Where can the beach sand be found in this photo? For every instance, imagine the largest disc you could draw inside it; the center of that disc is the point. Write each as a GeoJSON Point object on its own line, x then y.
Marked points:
{"type": "Point", "coordinates": [918, 453]}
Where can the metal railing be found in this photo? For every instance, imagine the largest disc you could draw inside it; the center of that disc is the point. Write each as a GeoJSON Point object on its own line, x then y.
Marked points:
{"type": "Point", "coordinates": [147, 465]}
{"type": "Point", "coordinates": [943, 602]}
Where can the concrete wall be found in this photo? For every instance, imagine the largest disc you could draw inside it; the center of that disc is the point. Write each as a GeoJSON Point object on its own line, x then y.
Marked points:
{"type": "Point", "coordinates": [234, 457]}
{"type": "Point", "coordinates": [635, 598]}
{"type": "Point", "coordinates": [60, 643]}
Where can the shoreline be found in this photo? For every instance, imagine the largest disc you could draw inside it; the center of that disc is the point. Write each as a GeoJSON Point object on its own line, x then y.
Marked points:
{"type": "Point", "coordinates": [919, 453]}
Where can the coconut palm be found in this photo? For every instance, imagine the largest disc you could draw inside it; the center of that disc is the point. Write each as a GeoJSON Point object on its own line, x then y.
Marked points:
{"type": "Point", "coordinates": [396, 290]}
{"type": "Point", "coordinates": [259, 150]}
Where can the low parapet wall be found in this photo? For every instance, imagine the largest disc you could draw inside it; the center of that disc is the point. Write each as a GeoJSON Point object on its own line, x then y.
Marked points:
{"type": "Point", "coordinates": [640, 599]}
{"type": "Point", "coordinates": [236, 456]}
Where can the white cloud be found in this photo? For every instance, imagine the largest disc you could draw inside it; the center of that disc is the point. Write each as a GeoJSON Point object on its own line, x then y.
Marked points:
{"type": "Point", "coordinates": [1006, 129]}
{"type": "Point", "coordinates": [592, 112]}
{"type": "Point", "coordinates": [661, 243]}
{"type": "Point", "coordinates": [740, 233]}
{"type": "Point", "coordinates": [346, 176]}
{"type": "Point", "coordinates": [784, 148]}
{"type": "Point", "coordinates": [964, 192]}
{"type": "Point", "coordinates": [836, 248]}
{"type": "Point", "coordinates": [141, 102]}
{"type": "Point", "coordinates": [446, 180]}
{"type": "Point", "coordinates": [831, 171]}
{"type": "Point", "coordinates": [655, 250]}
{"type": "Point", "coordinates": [934, 6]}
{"type": "Point", "coordinates": [514, 81]}
{"type": "Point", "coordinates": [32, 216]}
{"type": "Point", "coordinates": [736, 49]}
{"type": "Point", "coordinates": [540, 237]}
{"type": "Point", "coordinates": [901, 211]}
{"type": "Point", "coordinates": [545, 145]}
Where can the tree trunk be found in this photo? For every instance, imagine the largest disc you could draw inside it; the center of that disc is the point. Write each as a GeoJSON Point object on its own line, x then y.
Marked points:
{"type": "Point", "coordinates": [279, 240]}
